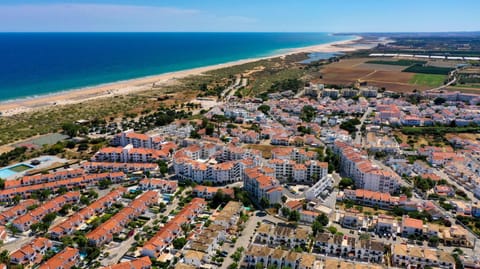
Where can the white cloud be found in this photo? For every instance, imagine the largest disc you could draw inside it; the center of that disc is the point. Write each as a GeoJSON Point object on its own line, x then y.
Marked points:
{"type": "Point", "coordinates": [92, 17]}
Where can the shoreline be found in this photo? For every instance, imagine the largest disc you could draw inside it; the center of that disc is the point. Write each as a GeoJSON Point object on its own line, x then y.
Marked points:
{"type": "Point", "coordinates": [27, 104]}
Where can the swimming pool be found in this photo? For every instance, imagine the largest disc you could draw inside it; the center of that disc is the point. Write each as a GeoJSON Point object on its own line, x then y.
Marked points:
{"type": "Point", "coordinates": [12, 170]}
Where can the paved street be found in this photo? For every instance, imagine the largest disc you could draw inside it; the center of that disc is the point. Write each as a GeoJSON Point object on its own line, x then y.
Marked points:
{"type": "Point", "coordinates": [117, 252]}
{"type": "Point", "coordinates": [247, 235]}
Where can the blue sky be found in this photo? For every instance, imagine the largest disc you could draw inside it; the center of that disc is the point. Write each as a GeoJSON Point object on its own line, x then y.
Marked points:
{"type": "Point", "coordinates": [235, 15]}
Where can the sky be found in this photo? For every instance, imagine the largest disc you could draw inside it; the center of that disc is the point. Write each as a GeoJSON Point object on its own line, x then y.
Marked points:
{"type": "Point", "coordinates": [239, 15]}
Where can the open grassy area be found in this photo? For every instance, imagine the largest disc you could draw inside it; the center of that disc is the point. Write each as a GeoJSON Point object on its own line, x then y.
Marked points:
{"type": "Point", "coordinates": [430, 80]}
{"type": "Point", "coordinates": [20, 168]}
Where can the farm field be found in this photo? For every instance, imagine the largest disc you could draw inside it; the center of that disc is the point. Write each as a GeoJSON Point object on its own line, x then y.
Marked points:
{"type": "Point", "coordinates": [430, 80]}
{"type": "Point", "coordinates": [348, 71]}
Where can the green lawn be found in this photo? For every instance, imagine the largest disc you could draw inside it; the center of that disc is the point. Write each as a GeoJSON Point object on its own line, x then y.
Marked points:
{"type": "Point", "coordinates": [428, 80]}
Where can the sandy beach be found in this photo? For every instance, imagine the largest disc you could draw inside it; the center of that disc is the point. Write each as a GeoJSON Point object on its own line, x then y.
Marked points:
{"type": "Point", "coordinates": [9, 108]}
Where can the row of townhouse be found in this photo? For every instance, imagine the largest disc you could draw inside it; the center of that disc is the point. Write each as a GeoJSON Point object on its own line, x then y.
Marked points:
{"type": "Point", "coordinates": [140, 263]}
{"type": "Point", "coordinates": [130, 154]}
{"type": "Point", "coordinates": [366, 175]}
{"type": "Point", "coordinates": [117, 167]}
{"type": "Point", "coordinates": [247, 137]}
{"type": "Point", "coordinates": [24, 222]}
{"type": "Point", "coordinates": [198, 171]}
{"type": "Point", "coordinates": [310, 171]}
{"type": "Point", "coordinates": [231, 152]}
{"type": "Point", "coordinates": [164, 237]}
{"type": "Point", "coordinates": [372, 198]}
{"type": "Point", "coordinates": [350, 247]}
{"type": "Point", "coordinates": [298, 155]}
{"type": "Point", "coordinates": [202, 151]}
{"type": "Point", "coordinates": [282, 235]}
{"type": "Point", "coordinates": [208, 192]}
{"type": "Point", "coordinates": [164, 186]}
{"type": "Point", "coordinates": [71, 183]}
{"type": "Point", "coordinates": [65, 259]}
{"type": "Point", "coordinates": [262, 187]}
{"type": "Point", "coordinates": [137, 140]}
{"type": "Point", "coordinates": [229, 215]}
{"type": "Point", "coordinates": [278, 258]}
{"type": "Point", "coordinates": [408, 256]}
{"type": "Point", "coordinates": [201, 248]}
{"type": "Point", "coordinates": [31, 253]}
{"type": "Point", "coordinates": [104, 233]}
{"type": "Point", "coordinates": [70, 225]}
{"type": "Point", "coordinates": [16, 211]}
{"type": "Point", "coordinates": [44, 178]}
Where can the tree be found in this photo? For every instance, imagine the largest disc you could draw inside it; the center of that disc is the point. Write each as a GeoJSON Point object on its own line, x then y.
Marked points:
{"type": "Point", "coordinates": [209, 129]}
{"type": "Point", "coordinates": [264, 108]}
{"type": "Point", "coordinates": [84, 200]}
{"type": "Point", "coordinates": [264, 202]}
{"type": "Point", "coordinates": [322, 219]}
{"type": "Point", "coordinates": [332, 229]}
{"type": "Point", "coordinates": [346, 183]}
{"type": "Point", "coordinates": [294, 215]}
{"type": "Point", "coordinates": [194, 134]}
{"type": "Point", "coordinates": [105, 183]}
{"type": "Point", "coordinates": [285, 211]}
{"type": "Point", "coordinates": [4, 256]}
{"type": "Point", "coordinates": [308, 113]}
{"type": "Point", "coordinates": [49, 218]}
{"type": "Point", "coordinates": [439, 101]}
{"type": "Point", "coordinates": [316, 227]}
{"type": "Point", "coordinates": [433, 241]}
{"type": "Point", "coordinates": [70, 129]}
{"type": "Point", "coordinates": [179, 242]}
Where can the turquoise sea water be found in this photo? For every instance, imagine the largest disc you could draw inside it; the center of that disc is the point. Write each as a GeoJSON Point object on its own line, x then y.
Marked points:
{"type": "Point", "coordinates": [34, 64]}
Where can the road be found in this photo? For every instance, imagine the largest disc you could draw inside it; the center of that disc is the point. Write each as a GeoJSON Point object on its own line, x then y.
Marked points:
{"type": "Point", "coordinates": [358, 136]}
{"type": "Point", "coordinates": [247, 235]}
{"type": "Point", "coordinates": [468, 192]}
{"type": "Point", "coordinates": [117, 252]}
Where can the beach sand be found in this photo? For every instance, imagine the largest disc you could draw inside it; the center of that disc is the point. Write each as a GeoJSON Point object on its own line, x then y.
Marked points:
{"type": "Point", "coordinates": [10, 108]}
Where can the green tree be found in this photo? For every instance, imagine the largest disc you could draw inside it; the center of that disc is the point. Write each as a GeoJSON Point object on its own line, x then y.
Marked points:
{"type": "Point", "coordinates": [4, 256]}
{"type": "Point", "coordinates": [316, 227]}
{"type": "Point", "coordinates": [346, 183]}
{"type": "Point", "coordinates": [323, 219]}
{"type": "Point", "coordinates": [179, 242]}
{"type": "Point", "coordinates": [308, 113]}
{"type": "Point", "coordinates": [439, 101]}
{"type": "Point", "coordinates": [285, 211]}
{"type": "Point", "coordinates": [264, 108]}
{"type": "Point", "coordinates": [332, 229]}
{"type": "Point", "coordinates": [70, 129]}
{"type": "Point", "coordinates": [294, 215]}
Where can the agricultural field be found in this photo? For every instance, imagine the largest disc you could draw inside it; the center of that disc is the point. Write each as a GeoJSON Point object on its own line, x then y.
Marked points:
{"type": "Point", "coordinates": [348, 71]}
{"type": "Point", "coordinates": [430, 80]}
{"type": "Point", "coordinates": [428, 69]}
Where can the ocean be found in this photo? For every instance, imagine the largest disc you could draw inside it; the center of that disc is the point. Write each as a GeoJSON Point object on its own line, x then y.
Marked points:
{"type": "Point", "coordinates": [34, 64]}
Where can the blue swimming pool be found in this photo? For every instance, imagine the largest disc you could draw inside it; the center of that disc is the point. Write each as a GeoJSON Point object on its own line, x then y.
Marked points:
{"type": "Point", "coordinates": [12, 170]}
